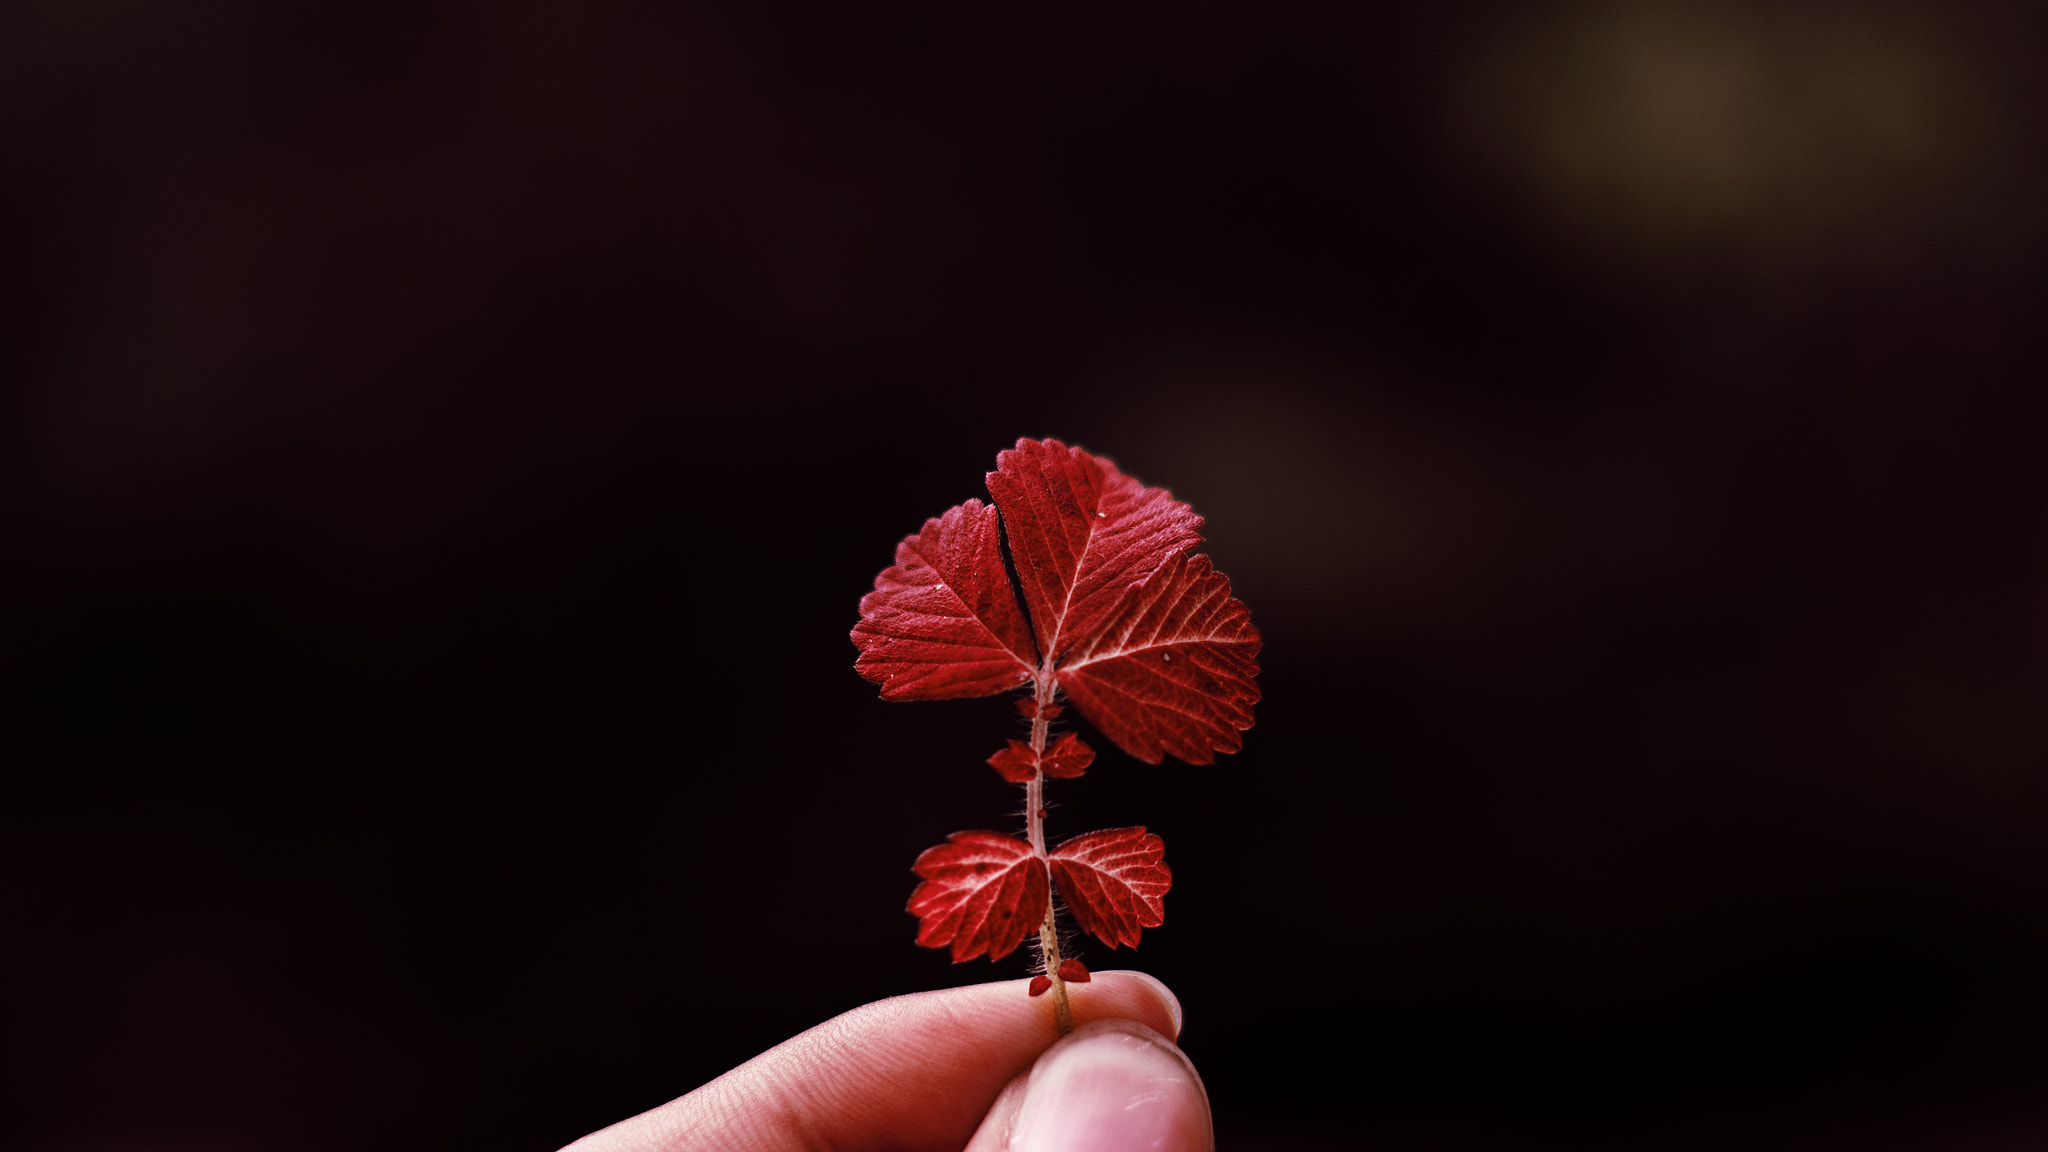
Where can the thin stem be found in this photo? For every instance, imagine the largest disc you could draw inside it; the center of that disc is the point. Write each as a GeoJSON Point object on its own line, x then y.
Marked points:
{"type": "Point", "coordinates": [1049, 946]}
{"type": "Point", "coordinates": [1034, 796]}
{"type": "Point", "coordinates": [1034, 825]}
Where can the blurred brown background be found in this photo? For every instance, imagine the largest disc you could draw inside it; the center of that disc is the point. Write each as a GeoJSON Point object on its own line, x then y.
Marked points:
{"type": "Point", "coordinates": [442, 447]}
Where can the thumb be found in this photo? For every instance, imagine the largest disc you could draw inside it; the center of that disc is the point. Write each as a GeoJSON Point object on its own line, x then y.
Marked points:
{"type": "Point", "coordinates": [1110, 1085]}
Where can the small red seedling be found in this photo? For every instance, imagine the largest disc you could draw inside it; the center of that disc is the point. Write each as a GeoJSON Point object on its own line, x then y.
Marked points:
{"type": "Point", "coordinates": [1108, 610]}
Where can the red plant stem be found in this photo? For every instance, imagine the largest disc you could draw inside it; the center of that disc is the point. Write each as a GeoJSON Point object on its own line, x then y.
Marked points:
{"type": "Point", "coordinates": [1034, 824]}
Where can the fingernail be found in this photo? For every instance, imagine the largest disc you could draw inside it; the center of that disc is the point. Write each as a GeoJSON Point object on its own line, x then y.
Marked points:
{"type": "Point", "coordinates": [1159, 988]}
{"type": "Point", "coordinates": [1110, 1086]}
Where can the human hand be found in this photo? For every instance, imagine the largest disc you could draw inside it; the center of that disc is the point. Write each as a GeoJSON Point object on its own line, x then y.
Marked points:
{"type": "Point", "coordinates": [981, 1067]}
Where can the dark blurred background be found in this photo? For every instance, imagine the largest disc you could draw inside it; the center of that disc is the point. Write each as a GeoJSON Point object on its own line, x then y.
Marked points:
{"type": "Point", "coordinates": [442, 448]}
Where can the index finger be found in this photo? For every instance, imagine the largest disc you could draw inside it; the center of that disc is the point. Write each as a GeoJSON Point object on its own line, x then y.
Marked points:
{"type": "Point", "coordinates": [910, 1072]}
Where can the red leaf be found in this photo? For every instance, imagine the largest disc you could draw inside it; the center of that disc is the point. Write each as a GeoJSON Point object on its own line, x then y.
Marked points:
{"type": "Point", "coordinates": [1114, 882]}
{"type": "Point", "coordinates": [982, 892]}
{"type": "Point", "coordinates": [1144, 639]}
{"type": "Point", "coordinates": [1015, 763]}
{"type": "Point", "coordinates": [1082, 534]}
{"type": "Point", "coordinates": [1171, 671]}
{"type": "Point", "coordinates": [1074, 972]}
{"type": "Point", "coordinates": [1039, 984]}
{"type": "Point", "coordinates": [944, 622]}
{"type": "Point", "coordinates": [1068, 757]}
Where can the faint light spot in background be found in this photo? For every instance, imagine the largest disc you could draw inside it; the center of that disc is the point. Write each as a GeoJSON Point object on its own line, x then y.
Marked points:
{"type": "Point", "coordinates": [1662, 135]}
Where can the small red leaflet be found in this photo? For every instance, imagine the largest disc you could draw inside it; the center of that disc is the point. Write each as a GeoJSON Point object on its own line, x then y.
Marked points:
{"type": "Point", "coordinates": [1109, 610]}
{"type": "Point", "coordinates": [1068, 757]}
{"type": "Point", "coordinates": [1071, 971]}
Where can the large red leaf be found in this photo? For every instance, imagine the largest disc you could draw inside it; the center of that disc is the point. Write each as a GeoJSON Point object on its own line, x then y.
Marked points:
{"type": "Point", "coordinates": [1082, 535]}
{"type": "Point", "coordinates": [1114, 882]}
{"type": "Point", "coordinates": [1145, 640]}
{"type": "Point", "coordinates": [982, 892]}
{"type": "Point", "coordinates": [944, 622]}
{"type": "Point", "coordinates": [1171, 670]}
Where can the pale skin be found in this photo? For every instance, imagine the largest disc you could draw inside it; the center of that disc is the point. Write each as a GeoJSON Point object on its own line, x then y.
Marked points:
{"type": "Point", "coordinates": [981, 1068]}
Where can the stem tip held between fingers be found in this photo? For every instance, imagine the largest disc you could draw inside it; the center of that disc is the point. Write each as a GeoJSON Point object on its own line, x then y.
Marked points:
{"type": "Point", "coordinates": [915, 1072]}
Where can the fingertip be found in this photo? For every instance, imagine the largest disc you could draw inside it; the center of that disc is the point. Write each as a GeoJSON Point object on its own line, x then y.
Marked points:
{"type": "Point", "coordinates": [1160, 990]}
{"type": "Point", "coordinates": [1113, 1084]}
{"type": "Point", "coordinates": [1129, 993]}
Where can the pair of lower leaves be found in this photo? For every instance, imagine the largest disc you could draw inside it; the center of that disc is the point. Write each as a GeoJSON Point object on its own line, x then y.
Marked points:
{"type": "Point", "coordinates": [1072, 971]}
{"type": "Point", "coordinates": [984, 892]}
